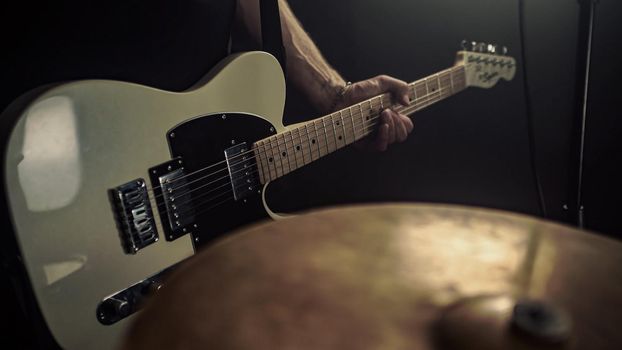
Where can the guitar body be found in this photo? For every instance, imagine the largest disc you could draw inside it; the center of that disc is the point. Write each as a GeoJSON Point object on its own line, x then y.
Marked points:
{"type": "Point", "coordinates": [72, 143]}
{"type": "Point", "coordinates": [109, 185]}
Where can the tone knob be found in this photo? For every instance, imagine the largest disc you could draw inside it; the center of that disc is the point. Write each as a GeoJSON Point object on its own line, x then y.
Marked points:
{"type": "Point", "coordinates": [151, 287]}
{"type": "Point", "coordinates": [119, 307]}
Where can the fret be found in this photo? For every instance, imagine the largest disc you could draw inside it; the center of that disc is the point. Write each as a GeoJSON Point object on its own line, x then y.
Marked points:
{"type": "Point", "coordinates": [259, 160]}
{"type": "Point", "coordinates": [451, 81]}
{"type": "Point", "coordinates": [316, 140]}
{"type": "Point", "coordinates": [438, 80]}
{"type": "Point", "coordinates": [345, 131]}
{"type": "Point", "coordinates": [269, 174]}
{"type": "Point", "coordinates": [339, 139]}
{"type": "Point", "coordinates": [370, 116]}
{"type": "Point", "coordinates": [445, 81]}
{"type": "Point", "coordinates": [322, 149]}
{"type": "Point", "coordinates": [305, 160]}
{"type": "Point", "coordinates": [381, 103]}
{"type": "Point", "coordinates": [291, 151]}
{"type": "Point", "coordinates": [422, 92]}
{"type": "Point", "coordinates": [433, 85]}
{"type": "Point", "coordinates": [312, 143]}
{"type": "Point", "coordinates": [282, 148]}
{"type": "Point", "coordinates": [301, 144]}
{"type": "Point", "coordinates": [352, 123]}
{"type": "Point", "coordinates": [372, 112]}
{"type": "Point", "coordinates": [326, 142]}
{"type": "Point", "coordinates": [364, 123]}
{"type": "Point", "coordinates": [462, 76]}
{"type": "Point", "coordinates": [274, 158]}
{"type": "Point", "coordinates": [285, 152]}
{"type": "Point", "coordinates": [427, 89]}
{"type": "Point", "coordinates": [332, 123]}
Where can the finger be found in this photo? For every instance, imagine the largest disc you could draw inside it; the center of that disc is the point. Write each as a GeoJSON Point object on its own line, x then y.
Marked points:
{"type": "Point", "coordinates": [387, 118]}
{"type": "Point", "coordinates": [398, 88]}
{"type": "Point", "coordinates": [408, 123]}
{"type": "Point", "coordinates": [400, 129]}
{"type": "Point", "coordinates": [382, 140]}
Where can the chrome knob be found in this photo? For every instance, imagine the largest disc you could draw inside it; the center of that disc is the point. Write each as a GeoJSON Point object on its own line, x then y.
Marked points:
{"type": "Point", "coordinates": [464, 44]}
{"type": "Point", "coordinates": [480, 47]}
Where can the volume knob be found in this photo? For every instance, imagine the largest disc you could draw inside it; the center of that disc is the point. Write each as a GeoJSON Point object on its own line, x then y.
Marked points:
{"type": "Point", "coordinates": [119, 307]}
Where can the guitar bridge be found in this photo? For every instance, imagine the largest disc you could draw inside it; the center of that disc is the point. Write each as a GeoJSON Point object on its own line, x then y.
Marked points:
{"type": "Point", "coordinates": [173, 198]}
{"type": "Point", "coordinates": [134, 216]}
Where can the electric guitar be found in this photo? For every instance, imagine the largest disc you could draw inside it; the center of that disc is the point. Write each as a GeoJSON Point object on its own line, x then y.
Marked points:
{"type": "Point", "coordinates": [110, 184]}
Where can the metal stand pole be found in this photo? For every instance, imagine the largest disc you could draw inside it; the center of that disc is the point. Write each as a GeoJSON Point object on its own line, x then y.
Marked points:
{"type": "Point", "coordinates": [575, 205]}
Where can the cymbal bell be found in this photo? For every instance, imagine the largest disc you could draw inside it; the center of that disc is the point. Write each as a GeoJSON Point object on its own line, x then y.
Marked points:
{"type": "Point", "coordinates": [392, 277]}
{"type": "Point", "coordinates": [490, 322]}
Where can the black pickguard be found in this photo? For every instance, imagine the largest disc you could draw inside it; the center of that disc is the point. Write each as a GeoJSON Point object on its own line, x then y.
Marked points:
{"type": "Point", "coordinates": [201, 142]}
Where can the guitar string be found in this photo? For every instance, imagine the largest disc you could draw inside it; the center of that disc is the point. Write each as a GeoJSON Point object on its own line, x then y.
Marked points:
{"type": "Point", "coordinates": [370, 126]}
{"type": "Point", "coordinates": [407, 110]}
{"type": "Point", "coordinates": [204, 210]}
{"type": "Point", "coordinates": [292, 161]}
{"type": "Point", "coordinates": [424, 81]}
{"type": "Point", "coordinates": [365, 124]}
{"type": "Point", "coordinates": [365, 132]}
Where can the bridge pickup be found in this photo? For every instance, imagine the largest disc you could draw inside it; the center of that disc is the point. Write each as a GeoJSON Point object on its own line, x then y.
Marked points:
{"type": "Point", "coordinates": [243, 170]}
{"type": "Point", "coordinates": [134, 216]}
{"type": "Point", "coordinates": [174, 198]}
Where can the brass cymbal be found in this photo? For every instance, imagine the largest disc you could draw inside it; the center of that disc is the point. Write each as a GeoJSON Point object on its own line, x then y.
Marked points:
{"type": "Point", "coordinates": [393, 277]}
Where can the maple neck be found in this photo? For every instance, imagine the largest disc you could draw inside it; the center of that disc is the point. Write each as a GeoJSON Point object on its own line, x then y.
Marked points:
{"type": "Point", "coordinates": [287, 151]}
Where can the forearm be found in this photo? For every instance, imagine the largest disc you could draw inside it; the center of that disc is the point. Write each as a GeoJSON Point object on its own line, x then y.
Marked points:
{"type": "Point", "coordinates": [306, 67]}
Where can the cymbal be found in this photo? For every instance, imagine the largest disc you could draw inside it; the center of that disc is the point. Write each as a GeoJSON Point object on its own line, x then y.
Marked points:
{"type": "Point", "coordinates": [393, 277]}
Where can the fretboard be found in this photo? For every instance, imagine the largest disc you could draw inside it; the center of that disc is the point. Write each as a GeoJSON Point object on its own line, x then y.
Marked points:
{"type": "Point", "coordinates": [287, 151]}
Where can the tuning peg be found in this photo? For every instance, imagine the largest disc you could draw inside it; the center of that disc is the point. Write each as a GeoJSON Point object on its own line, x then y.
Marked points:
{"type": "Point", "coordinates": [472, 46]}
{"type": "Point", "coordinates": [480, 47]}
{"type": "Point", "coordinates": [491, 49]}
{"type": "Point", "coordinates": [504, 50]}
{"type": "Point", "coordinates": [468, 45]}
{"type": "Point", "coordinates": [465, 45]}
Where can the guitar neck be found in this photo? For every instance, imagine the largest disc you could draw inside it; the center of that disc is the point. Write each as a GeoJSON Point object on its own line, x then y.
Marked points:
{"type": "Point", "coordinates": [287, 151]}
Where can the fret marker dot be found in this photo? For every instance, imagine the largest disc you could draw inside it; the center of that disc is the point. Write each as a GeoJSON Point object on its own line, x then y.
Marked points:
{"type": "Point", "coordinates": [284, 154]}
{"type": "Point", "coordinates": [270, 159]}
{"type": "Point", "coordinates": [313, 141]}
{"type": "Point", "coordinates": [340, 137]}
{"type": "Point", "coordinates": [337, 123]}
{"type": "Point", "coordinates": [297, 148]}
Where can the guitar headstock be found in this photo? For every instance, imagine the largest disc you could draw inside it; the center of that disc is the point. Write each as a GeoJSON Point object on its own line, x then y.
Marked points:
{"type": "Point", "coordinates": [485, 64]}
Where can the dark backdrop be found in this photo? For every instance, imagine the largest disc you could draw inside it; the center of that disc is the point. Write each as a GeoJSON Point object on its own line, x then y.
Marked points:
{"type": "Point", "coordinates": [473, 148]}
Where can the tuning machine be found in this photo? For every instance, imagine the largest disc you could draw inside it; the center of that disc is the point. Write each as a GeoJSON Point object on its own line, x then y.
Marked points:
{"type": "Point", "coordinates": [482, 47]}
{"type": "Point", "coordinates": [474, 46]}
{"type": "Point", "coordinates": [497, 50]}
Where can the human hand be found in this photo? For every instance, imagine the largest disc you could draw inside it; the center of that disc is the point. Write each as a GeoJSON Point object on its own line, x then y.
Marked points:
{"type": "Point", "coordinates": [393, 127]}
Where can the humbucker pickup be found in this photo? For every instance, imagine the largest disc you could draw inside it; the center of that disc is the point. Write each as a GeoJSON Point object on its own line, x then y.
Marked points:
{"type": "Point", "coordinates": [242, 168]}
{"type": "Point", "coordinates": [173, 198]}
{"type": "Point", "coordinates": [134, 215]}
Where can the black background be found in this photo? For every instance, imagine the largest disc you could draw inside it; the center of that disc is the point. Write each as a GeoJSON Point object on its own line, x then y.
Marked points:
{"type": "Point", "coordinates": [473, 148]}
